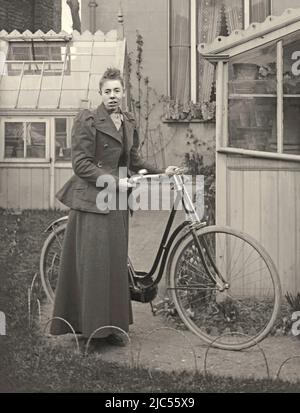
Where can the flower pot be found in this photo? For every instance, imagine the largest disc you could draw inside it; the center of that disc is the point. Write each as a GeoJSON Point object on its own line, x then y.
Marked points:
{"type": "Point", "coordinates": [38, 152]}
{"type": "Point", "coordinates": [245, 71]}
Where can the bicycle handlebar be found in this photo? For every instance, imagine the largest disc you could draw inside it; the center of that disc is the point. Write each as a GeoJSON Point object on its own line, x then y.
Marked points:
{"type": "Point", "coordinates": [142, 175]}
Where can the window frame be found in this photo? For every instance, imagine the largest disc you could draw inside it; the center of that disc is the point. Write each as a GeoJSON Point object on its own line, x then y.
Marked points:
{"type": "Point", "coordinates": [69, 125]}
{"type": "Point", "coordinates": [62, 66]}
{"type": "Point", "coordinates": [19, 119]}
{"type": "Point", "coordinates": [222, 133]}
{"type": "Point", "coordinates": [193, 46]}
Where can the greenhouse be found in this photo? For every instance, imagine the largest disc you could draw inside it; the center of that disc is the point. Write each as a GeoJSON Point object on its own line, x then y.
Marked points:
{"type": "Point", "coordinates": [46, 78]}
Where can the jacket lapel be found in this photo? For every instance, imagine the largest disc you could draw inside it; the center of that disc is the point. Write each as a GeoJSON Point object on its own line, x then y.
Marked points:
{"type": "Point", "coordinates": [104, 124]}
{"type": "Point", "coordinates": [128, 130]}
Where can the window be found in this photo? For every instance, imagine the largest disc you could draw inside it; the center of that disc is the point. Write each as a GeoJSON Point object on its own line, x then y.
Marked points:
{"type": "Point", "coordinates": [201, 21]}
{"type": "Point", "coordinates": [34, 54]}
{"type": "Point", "coordinates": [253, 100]}
{"type": "Point", "coordinates": [180, 49]}
{"type": "Point", "coordinates": [264, 98]}
{"type": "Point", "coordinates": [24, 139]}
{"type": "Point", "coordinates": [63, 128]}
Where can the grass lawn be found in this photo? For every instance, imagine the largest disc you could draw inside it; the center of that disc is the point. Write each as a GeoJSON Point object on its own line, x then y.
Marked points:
{"type": "Point", "coordinates": [28, 363]}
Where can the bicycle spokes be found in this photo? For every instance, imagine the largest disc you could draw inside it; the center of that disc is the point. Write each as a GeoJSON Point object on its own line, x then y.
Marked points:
{"type": "Point", "coordinates": [245, 304]}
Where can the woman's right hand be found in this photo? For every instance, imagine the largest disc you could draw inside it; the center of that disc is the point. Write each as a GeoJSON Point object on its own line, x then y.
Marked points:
{"type": "Point", "coordinates": [124, 184]}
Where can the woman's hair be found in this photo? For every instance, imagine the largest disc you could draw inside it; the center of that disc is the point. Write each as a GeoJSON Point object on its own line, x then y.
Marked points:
{"type": "Point", "coordinates": [111, 74]}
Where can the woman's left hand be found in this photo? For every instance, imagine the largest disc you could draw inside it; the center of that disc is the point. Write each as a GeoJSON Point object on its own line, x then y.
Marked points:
{"type": "Point", "coordinates": [171, 170]}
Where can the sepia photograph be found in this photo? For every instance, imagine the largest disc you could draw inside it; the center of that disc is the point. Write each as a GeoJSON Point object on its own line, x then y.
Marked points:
{"type": "Point", "coordinates": [149, 199]}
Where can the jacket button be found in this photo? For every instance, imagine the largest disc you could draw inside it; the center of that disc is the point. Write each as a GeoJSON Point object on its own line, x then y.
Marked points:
{"type": "Point", "coordinates": [106, 145]}
{"type": "Point", "coordinates": [99, 164]}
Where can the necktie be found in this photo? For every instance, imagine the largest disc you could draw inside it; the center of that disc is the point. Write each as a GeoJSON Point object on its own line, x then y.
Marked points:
{"type": "Point", "coordinates": [117, 119]}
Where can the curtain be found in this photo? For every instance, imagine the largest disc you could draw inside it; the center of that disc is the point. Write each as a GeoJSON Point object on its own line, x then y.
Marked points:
{"type": "Point", "coordinates": [180, 50]}
{"type": "Point", "coordinates": [259, 10]}
{"type": "Point", "coordinates": [209, 24]}
{"type": "Point", "coordinates": [234, 14]}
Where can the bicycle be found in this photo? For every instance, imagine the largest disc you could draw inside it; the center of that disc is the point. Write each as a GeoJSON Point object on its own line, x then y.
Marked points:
{"type": "Point", "coordinates": [222, 282]}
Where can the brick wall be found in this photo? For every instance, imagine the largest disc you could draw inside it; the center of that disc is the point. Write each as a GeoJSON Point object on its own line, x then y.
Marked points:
{"type": "Point", "coordinates": [30, 14]}
{"type": "Point", "coordinates": [16, 14]}
{"type": "Point", "coordinates": [47, 15]}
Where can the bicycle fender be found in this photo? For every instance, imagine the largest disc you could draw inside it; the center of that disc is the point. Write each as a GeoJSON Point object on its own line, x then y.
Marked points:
{"type": "Point", "coordinates": [56, 223]}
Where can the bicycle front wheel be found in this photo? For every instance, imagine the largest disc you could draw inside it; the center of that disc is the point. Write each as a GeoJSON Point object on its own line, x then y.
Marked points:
{"type": "Point", "coordinates": [50, 260]}
{"type": "Point", "coordinates": [243, 313]}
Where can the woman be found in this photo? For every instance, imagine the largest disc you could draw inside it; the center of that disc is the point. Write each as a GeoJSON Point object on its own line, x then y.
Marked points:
{"type": "Point", "coordinates": [92, 289]}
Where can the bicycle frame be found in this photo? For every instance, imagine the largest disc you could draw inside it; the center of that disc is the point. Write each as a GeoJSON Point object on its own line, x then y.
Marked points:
{"type": "Point", "coordinates": [194, 223]}
{"type": "Point", "coordinates": [166, 242]}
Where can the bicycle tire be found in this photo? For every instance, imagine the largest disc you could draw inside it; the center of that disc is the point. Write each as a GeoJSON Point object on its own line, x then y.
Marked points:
{"type": "Point", "coordinates": [186, 294]}
{"type": "Point", "coordinates": [46, 260]}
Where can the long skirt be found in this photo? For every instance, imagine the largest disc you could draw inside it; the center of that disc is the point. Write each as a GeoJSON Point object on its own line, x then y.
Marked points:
{"type": "Point", "coordinates": [92, 289]}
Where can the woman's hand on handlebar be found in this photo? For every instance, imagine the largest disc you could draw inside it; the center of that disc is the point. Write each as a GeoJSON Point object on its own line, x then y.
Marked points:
{"type": "Point", "coordinates": [172, 170]}
{"type": "Point", "coordinates": [125, 184]}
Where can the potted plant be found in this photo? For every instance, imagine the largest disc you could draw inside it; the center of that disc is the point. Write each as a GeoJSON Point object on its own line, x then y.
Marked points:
{"type": "Point", "coordinates": [38, 151]}
{"type": "Point", "coordinates": [189, 111]}
{"type": "Point", "coordinates": [245, 71]}
{"type": "Point", "coordinates": [244, 76]}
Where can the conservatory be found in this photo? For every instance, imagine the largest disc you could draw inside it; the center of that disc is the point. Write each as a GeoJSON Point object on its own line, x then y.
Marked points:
{"type": "Point", "coordinates": [258, 136]}
{"type": "Point", "coordinates": [45, 79]}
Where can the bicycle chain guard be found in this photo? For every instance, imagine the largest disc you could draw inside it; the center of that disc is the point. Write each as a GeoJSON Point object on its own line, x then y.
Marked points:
{"type": "Point", "coordinates": [144, 291]}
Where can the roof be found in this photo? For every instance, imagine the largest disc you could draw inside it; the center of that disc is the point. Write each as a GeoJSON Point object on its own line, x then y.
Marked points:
{"type": "Point", "coordinates": [69, 81]}
{"type": "Point", "coordinates": [255, 35]}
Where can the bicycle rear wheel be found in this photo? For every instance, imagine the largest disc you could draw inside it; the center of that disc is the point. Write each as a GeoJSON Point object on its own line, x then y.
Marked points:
{"type": "Point", "coordinates": [242, 314]}
{"type": "Point", "coordinates": [50, 260]}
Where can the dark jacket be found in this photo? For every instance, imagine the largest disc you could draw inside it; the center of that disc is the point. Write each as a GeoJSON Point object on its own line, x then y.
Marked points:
{"type": "Point", "coordinates": [96, 149]}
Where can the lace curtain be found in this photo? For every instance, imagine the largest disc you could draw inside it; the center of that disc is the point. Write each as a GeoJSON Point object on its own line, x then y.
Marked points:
{"type": "Point", "coordinates": [259, 10]}
{"type": "Point", "coordinates": [210, 13]}
{"type": "Point", "coordinates": [209, 23]}
{"type": "Point", "coordinates": [180, 50]}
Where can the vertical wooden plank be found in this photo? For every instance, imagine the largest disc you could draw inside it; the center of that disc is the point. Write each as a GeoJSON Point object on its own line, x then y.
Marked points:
{"type": "Point", "coordinates": [46, 189]}
{"type": "Point", "coordinates": [235, 203]}
{"type": "Point", "coordinates": [234, 246]}
{"type": "Point", "coordinates": [61, 177]}
{"type": "Point", "coordinates": [279, 97]}
{"type": "Point", "coordinates": [246, 13]}
{"type": "Point", "coordinates": [286, 264]}
{"type": "Point", "coordinates": [225, 139]}
{"type": "Point", "coordinates": [57, 186]}
{"type": "Point", "coordinates": [13, 188]}
{"type": "Point", "coordinates": [193, 51]}
{"type": "Point", "coordinates": [3, 187]}
{"type": "Point", "coordinates": [269, 213]}
{"type": "Point", "coordinates": [253, 267]}
{"type": "Point", "coordinates": [37, 188]}
{"type": "Point", "coordinates": [25, 188]}
{"type": "Point", "coordinates": [251, 204]}
{"type": "Point", "coordinates": [219, 104]}
{"type": "Point", "coordinates": [269, 221]}
{"type": "Point", "coordinates": [221, 189]}
{"type": "Point", "coordinates": [297, 229]}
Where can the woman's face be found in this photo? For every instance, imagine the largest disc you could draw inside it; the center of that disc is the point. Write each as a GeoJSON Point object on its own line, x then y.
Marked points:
{"type": "Point", "coordinates": [112, 93]}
